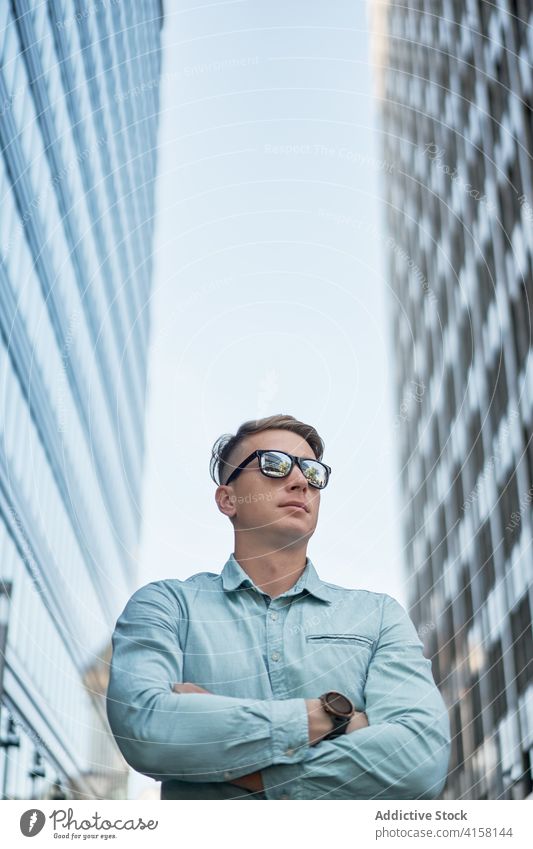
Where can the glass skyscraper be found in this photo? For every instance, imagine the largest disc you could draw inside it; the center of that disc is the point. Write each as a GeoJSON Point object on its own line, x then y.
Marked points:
{"type": "Point", "coordinates": [79, 101]}
{"type": "Point", "coordinates": [455, 88]}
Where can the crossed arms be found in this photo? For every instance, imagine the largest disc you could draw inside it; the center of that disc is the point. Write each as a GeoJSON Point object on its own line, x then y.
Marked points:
{"type": "Point", "coordinates": [319, 726]}
{"type": "Point", "coordinates": [402, 753]}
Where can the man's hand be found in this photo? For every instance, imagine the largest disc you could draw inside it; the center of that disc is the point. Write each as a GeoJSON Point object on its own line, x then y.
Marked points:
{"type": "Point", "coordinates": [187, 687]}
{"type": "Point", "coordinates": [253, 781]}
{"type": "Point", "coordinates": [358, 720]}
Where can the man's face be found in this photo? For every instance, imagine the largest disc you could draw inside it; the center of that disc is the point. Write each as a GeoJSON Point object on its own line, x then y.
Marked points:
{"type": "Point", "coordinates": [261, 505]}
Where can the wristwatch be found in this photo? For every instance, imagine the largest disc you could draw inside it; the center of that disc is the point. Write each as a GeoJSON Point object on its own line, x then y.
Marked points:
{"type": "Point", "coordinates": [340, 708]}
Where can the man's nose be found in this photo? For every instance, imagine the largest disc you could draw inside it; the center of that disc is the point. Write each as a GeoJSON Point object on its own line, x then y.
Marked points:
{"type": "Point", "coordinates": [297, 478]}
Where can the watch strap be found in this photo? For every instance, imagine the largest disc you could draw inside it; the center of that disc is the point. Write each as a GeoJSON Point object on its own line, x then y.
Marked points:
{"type": "Point", "coordinates": [339, 727]}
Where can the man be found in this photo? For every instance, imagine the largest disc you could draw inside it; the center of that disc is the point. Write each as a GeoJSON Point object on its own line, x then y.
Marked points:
{"type": "Point", "coordinates": [265, 682]}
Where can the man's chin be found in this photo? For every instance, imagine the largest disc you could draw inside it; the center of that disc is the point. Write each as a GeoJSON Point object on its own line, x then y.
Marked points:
{"type": "Point", "coordinates": [290, 538]}
{"type": "Point", "coordinates": [281, 535]}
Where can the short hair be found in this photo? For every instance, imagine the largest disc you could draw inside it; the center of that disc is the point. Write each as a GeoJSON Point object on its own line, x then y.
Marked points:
{"type": "Point", "coordinates": [219, 465]}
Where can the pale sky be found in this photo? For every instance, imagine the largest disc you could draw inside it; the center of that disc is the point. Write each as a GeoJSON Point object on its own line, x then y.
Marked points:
{"type": "Point", "coordinates": [269, 294]}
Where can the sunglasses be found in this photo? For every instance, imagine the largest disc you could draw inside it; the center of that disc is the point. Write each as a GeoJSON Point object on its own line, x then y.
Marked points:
{"type": "Point", "coordinates": [279, 464]}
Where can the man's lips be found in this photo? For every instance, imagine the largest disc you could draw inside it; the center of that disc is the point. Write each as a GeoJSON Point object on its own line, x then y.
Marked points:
{"type": "Point", "coordinates": [296, 504]}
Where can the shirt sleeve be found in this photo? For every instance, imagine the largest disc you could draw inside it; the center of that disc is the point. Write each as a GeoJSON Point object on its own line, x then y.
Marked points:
{"type": "Point", "coordinates": [189, 736]}
{"type": "Point", "coordinates": [403, 753]}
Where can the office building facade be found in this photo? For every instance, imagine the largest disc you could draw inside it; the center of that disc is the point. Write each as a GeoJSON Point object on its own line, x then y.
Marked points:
{"type": "Point", "coordinates": [454, 85]}
{"type": "Point", "coordinates": [79, 92]}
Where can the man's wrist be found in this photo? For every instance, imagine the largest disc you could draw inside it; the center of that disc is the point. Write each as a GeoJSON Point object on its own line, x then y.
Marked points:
{"type": "Point", "coordinates": [319, 720]}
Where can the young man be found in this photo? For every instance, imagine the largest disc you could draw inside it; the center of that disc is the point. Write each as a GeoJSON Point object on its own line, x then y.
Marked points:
{"type": "Point", "coordinates": [265, 682]}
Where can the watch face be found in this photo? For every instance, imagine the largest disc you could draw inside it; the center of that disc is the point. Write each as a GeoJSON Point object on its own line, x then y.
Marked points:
{"type": "Point", "coordinates": [339, 703]}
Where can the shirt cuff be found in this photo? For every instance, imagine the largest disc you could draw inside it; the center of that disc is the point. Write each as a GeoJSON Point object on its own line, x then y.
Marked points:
{"type": "Point", "coordinates": [290, 731]}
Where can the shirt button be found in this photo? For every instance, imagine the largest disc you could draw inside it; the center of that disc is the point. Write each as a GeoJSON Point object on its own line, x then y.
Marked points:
{"type": "Point", "coordinates": [285, 796]}
{"type": "Point", "coordinates": [227, 775]}
{"type": "Point", "coordinates": [275, 655]}
{"type": "Point", "coordinates": [274, 616]}
{"type": "Point", "coordinates": [289, 753]}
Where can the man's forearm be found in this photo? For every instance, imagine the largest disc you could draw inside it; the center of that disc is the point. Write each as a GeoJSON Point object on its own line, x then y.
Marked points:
{"type": "Point", "coordinates": [196, 737]}
{"type": "Point", "coordinates": [319, 725]}
{"type": "Point", "coordinates": [390, 760]}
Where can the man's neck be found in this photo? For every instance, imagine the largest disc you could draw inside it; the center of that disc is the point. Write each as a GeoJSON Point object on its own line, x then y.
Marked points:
{"type": "Point", "coordinates": [272, 571]}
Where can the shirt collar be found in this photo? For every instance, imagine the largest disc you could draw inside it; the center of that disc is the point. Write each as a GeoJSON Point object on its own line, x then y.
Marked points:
{"type": "Point", "coordinates": [233, 576]}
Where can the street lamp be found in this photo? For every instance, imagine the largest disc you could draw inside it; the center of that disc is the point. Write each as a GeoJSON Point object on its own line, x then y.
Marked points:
{"type": "Point", "coordinates": [11, 740]}
{"type": "Point", "coordinates": [5, 600]}
{"type": "Point", "coordinates": [38, 771]}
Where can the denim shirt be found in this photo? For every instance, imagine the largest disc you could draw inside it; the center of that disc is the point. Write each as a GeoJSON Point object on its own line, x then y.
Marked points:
{"type": "Point", "coordinates": [261, 658]}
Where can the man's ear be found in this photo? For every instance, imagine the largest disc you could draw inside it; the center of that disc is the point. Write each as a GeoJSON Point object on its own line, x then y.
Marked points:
{"type": "Point", "coordinates": [226, 499]}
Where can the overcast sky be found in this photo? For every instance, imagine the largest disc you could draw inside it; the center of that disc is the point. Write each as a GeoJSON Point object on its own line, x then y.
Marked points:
{"type": "Point", "coordinates": [269, 294]}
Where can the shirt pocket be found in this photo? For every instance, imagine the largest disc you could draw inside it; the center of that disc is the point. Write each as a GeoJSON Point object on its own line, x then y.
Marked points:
{"type": "Point", "coordinates": [348, 639]}
{"type": "Point", "coordinates": [339, 662]}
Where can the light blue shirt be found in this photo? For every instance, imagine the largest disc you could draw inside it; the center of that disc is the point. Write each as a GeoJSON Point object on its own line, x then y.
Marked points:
{"type": "Point", "coordinates": [262, 658]}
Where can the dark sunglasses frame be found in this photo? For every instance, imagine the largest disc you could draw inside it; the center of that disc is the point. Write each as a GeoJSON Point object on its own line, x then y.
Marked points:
{"type": "Point", "coordinates": [298, 460]}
